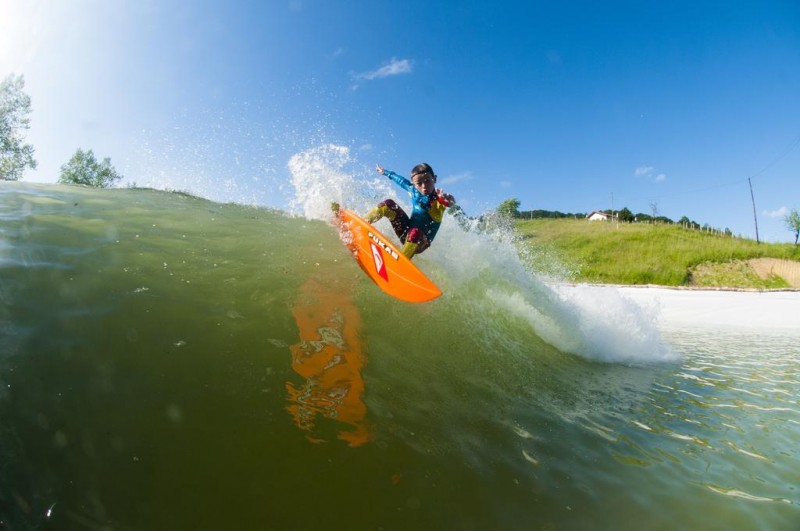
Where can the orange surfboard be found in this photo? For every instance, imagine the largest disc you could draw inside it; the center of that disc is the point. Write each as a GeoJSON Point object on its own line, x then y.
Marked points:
{"type": "Point", "coordinates": [383, 262]}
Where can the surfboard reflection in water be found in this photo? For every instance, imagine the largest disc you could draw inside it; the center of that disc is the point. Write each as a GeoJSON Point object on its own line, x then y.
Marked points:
{"type": "Point", "coordinates": [329, 357]}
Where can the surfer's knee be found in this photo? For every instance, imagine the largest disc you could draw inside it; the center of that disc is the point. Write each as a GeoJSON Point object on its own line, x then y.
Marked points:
{"type": "Point", "coordinates": [415, 242]}
{"type": "Point", "coordinates": [417, 237]}
{"type": "Point", "coordinates": [388, 209]}
{"type": "Point", "coordinates": [380, 211]}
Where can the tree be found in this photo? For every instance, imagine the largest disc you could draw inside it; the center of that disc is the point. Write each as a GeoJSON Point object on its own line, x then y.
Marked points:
{"type": "Point", "coordinates": [793, 223]}
{"type": "Point", "coordinates": [15, 106]}
{"type": "Point", "coordinates": [83, 168]}
{"type": "Point", "coordinates": [625, 215]}
{"type": "Point", "coordinates": [509, 208]}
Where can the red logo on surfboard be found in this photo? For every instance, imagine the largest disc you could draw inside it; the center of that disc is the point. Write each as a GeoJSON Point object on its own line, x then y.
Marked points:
{"type": "Point", "coordinates": [377, 256]}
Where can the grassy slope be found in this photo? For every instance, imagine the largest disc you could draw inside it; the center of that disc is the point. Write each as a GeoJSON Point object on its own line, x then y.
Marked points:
{"type": "Point", "coordinates": [600, 252]}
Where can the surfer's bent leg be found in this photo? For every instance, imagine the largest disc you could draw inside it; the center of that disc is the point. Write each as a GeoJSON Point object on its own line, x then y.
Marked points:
{"type": "Point", "coordinates": [415, 243]}
{"type": "Point", "coordinates": [391, 211]}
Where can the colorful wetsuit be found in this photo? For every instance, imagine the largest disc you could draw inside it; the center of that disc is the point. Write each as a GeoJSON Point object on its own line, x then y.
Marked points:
{"type": "Point", "coordinates": [427, 212]}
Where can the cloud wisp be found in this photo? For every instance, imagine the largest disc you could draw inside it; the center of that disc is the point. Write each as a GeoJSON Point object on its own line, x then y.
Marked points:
{"type": "Point", "coordinates": [453, 179]}
{"type": "Point", "coordinates": [649, 172]}
{"type": "Point", "coordinates": [779, 213]}
{"type": "Point", "coordinates": [395, 67]}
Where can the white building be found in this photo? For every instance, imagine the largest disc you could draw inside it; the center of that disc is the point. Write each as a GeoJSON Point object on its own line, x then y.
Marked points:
{"type": "Point", "coordinates": [598, 216]}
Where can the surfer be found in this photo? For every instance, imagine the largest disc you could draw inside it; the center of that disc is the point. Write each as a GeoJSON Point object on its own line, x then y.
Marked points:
{"type": "Point", "coordinates": [428, 207]}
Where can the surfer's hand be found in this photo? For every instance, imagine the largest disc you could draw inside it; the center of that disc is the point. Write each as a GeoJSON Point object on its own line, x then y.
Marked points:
{"type": "Point", "coordinates": [447, 198]}
{"type": "Point", "coordinates": [379, 169]}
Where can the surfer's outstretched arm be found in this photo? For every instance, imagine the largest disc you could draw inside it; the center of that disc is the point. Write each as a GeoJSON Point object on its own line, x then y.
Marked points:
{"type": "Point", "coordinates": [401, 181]}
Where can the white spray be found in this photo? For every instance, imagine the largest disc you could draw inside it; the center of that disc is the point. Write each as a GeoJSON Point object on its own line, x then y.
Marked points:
{"type": "Point", "coordinates": [574, 320]}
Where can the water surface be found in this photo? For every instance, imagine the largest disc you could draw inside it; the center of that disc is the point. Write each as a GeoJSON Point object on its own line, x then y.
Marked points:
{"type": "Point", "coordinates": [167, 362]}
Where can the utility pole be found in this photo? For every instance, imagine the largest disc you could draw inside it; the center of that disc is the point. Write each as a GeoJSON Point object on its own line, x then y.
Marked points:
{"type": "Point", "coordinates": [752, 198]}
{"type": "Point", "coordinates": [612, 209]}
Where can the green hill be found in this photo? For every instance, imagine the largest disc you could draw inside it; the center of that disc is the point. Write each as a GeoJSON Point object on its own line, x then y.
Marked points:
{"type": "Point", "coordinates": [638, 253]}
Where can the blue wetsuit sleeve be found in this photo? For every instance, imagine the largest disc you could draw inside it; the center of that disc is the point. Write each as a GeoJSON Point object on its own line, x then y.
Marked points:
{"type": "Point", "coordinates": [399, 179]}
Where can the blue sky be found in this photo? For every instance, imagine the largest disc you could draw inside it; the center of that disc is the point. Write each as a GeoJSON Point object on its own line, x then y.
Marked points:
{"type": "Point", "coordinates": [562, 105]}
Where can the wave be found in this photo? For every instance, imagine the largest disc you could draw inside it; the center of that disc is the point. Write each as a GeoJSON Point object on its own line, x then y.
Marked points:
{"type": "Point", "coordinates": [485, 263]}
{"type": "Point", "coordinates": [484, 278]}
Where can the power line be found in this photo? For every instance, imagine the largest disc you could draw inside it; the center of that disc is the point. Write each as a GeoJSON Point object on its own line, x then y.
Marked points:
{"type": "Point", "coordinates": [783, 154]}
{"type": "Point", "coordinates": [780, 157]}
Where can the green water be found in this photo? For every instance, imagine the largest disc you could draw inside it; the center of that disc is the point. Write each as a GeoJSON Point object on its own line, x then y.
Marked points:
{"type": "Point", "coordinates": [168, 362]}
